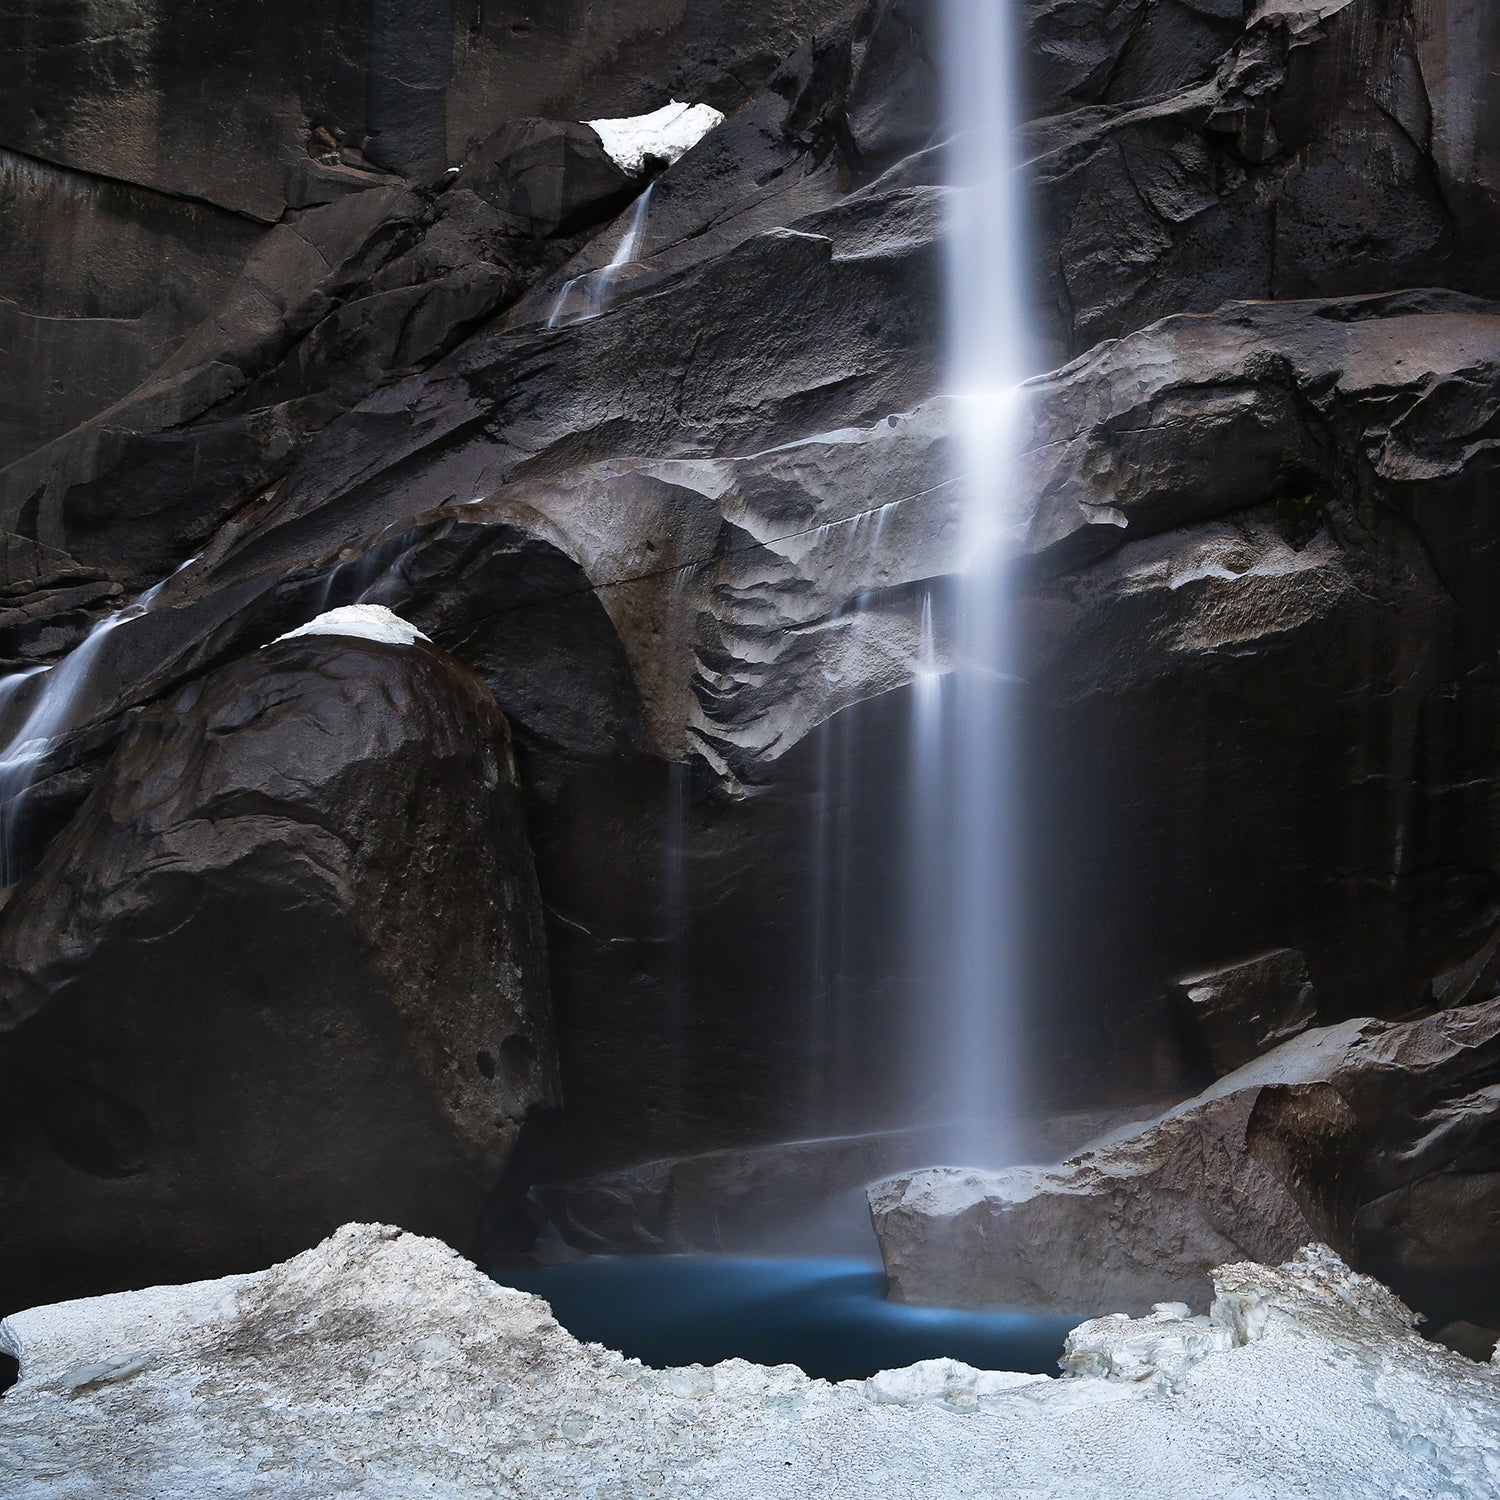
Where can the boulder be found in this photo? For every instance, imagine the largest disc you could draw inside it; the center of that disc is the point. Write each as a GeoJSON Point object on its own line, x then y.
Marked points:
{"type": "Point", "coordinates": [1318, 1135]}
{"type": "Point", "coordinates": [1246, 1008]}
{"type": "Point", "coordinates": [286, 962]}
{"type": "Point", "coordinates": [1137, 1221]}
{"type": "Point", "coordinates": [551, 176]}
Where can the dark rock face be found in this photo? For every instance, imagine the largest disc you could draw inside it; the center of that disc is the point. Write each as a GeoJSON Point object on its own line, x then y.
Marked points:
{"type": "Point", "coordinates": [1247, 1008]}
{"type": "Point", "coordinates": [553, 176]}
{"type": "Point", "coordinates": [697, 544]}
{"type": "Point", "coordinates": [145, 148]}
{"type": "Point", "coordinates": [1317, 150]}
{"type": "Point", "coordinates": [99, 281]}
{"type": "Point", "coordinates": [168, 102]}
{"type": "Point", "coordinates": [247, 994]}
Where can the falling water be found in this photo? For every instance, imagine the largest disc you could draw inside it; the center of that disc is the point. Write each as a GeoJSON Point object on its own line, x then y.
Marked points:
{"type": "Point", "coordinates": [592, 289]}
{"type": "Point", "coordinates": [965, 746]}
{"type": "Point", "coordinates": [50, 716]}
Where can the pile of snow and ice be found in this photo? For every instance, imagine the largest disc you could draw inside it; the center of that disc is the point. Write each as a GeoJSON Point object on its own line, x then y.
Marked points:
{"type": "Point", "coordinates": [383, 1364]}
{"type": "Point", "coordinates": [371, 622]}
{"type": "Point", "coordinates": [665, 134]}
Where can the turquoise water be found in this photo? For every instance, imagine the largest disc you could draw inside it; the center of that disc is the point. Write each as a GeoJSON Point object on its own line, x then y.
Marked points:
{"type": "Point", "coordinates": [828, 1316]}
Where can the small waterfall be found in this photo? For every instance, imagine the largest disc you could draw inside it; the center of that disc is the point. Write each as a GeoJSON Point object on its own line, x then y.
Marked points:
{"type": "Point", "coordinates": [50, 716]}
{"type": "Point", "coordinates": [592, 289]}
{"type": "Point", "coordinates": [965, 739]}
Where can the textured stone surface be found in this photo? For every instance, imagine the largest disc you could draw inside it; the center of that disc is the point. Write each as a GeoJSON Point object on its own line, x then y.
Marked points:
{"type": "Point", "coordinates": [1246, 1008]}
{"type": "Point", "coordinates": [1363, 1133]}
{"type": "Point", "coordinates": [382, 1362]}
{"type": "Point", "coordinates": [245, 993]}
{"type": "Point", "coordinates": [1140, 1220]}
{"type": "Point", "coordinates": [1260, 623]}
{"type": "Point", "coordinates": [553, 176]}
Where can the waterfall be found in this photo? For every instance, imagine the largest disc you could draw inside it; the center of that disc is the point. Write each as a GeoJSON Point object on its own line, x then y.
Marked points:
{"type": "Point", "coordinates": [593, 287]}
{"type": "Point", "coordinates": [50, 716]}
{"type": "Point", "coordinates": [965, 739]}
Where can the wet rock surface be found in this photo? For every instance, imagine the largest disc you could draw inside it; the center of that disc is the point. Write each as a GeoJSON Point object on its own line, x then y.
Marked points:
{"type": "Point", "coordinates": [244, 992]}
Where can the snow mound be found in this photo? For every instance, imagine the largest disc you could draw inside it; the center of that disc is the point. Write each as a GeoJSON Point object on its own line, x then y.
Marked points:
{"type": "Point", "coordinates": [370, 622]}
{"type": "Point", "coordinates": [384, 1365]}
{"type": "Point", "coordinates": [668, 132]}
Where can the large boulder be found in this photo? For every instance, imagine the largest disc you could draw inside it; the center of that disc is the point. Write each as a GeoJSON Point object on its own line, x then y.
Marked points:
{"type": "Point", "coordinates": [1362, 1133]}
{"type": "Point", "coordinates": [554, 176]}
{"type": "Point", "coordinates": [285, 964]}
{"type": "Point", "coordinates": [1134, 1222]}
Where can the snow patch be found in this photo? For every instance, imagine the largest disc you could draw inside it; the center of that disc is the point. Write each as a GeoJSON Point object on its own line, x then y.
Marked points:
{"type": "Point", "coordinates": [370, 622]}
{"type": "Point", "coordinates": [384, 1364]}
{"type": "Point", "coordinates": [668, 132]}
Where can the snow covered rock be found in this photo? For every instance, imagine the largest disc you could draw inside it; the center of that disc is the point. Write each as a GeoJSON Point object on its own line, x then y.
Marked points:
{"type": "Point", "coordinates": [665, 133]}
{"type": "Point", "coordinates": [383, 1364]}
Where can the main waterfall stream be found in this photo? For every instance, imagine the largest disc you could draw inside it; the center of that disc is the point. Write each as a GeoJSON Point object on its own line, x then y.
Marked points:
{"type": "Point", "coordinates": [964, 748]}
{"type": "Point", "coordinates": [960, 874]}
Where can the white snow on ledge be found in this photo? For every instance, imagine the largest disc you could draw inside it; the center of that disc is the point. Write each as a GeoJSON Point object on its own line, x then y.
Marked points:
{"type": "Point", "coordinates": [668, 132]}
{"type": "Point", "coordinates": [371, 622]}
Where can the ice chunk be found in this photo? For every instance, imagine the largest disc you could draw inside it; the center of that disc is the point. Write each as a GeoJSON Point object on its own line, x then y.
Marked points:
{"type": "Point", "coordinates": [371, 622]}
{"type": "Point", "coordinates": [668, 133]}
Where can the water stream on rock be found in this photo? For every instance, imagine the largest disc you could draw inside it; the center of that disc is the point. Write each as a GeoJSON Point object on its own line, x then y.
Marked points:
{"type": "Point", "coordinates": [592, 289]}
{"type": "Point", "coordinates": [50, 716]}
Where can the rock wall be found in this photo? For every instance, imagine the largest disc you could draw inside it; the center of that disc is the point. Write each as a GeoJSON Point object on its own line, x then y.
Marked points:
{"type": "Point", "coordinates": [697, 544]}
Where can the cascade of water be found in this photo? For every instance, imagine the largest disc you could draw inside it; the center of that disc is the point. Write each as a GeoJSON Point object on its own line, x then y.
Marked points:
{"type": "Point", "coordinates": [593, 287]}
{"type": "Point", "coordinates": [49, 717]}
{"type": "Point", "coordinates": [968, 846]}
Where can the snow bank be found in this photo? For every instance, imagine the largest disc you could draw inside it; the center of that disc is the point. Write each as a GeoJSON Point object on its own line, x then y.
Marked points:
{"type": "Point", "coordinates": [383, 1364]}
{"type": "Point", "coordinates": [371, 622]}
{"type": "Point", "coordinates": [668, 132]}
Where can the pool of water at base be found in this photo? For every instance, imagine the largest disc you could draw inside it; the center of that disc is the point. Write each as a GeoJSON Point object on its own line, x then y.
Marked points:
{"type": "Point", "coordinates": [830, 1317]}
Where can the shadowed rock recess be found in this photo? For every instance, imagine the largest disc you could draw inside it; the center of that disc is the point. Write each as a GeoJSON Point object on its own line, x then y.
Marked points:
{"type": "Point", "coordinates": [296, 940]}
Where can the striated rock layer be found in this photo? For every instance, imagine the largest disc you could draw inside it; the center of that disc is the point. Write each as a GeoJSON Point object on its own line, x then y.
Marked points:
{"type": "Point", "coordinates": [383, 1363]}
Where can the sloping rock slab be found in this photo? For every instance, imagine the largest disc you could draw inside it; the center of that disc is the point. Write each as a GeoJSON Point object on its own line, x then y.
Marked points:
{"type": "Point", "coordinates": [382, 1363]}
{"type": "Point", "coordinates": [1292, 1145]}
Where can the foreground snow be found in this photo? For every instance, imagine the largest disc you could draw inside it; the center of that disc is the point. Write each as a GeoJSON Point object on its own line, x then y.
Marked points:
{"type": "Point", "coordinates": [371, 622]}
{"type": "Point", "coordinates": [667, 133]}
{"type": "Point", "coordinates": [383, 1364]}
